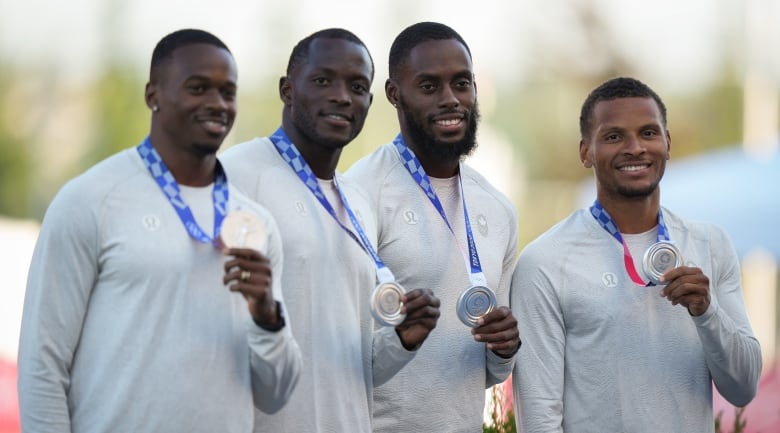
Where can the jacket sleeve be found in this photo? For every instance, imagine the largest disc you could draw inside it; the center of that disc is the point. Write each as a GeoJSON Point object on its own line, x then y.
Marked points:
{"type": "Point", "coordinates": [275, 356]}
{"type": "Point", "coordinates": [276, 366]}
{"type": "Point", "coordinates": [497, 368]}
{"type": "Point", "coordinates": [63, 271]}
{"type": "Point", "coordinates": [537, 380]}
{"type": "Point", "coordinates": [733, 354]}
{"type": "Point", "coordinates": [389, 354]}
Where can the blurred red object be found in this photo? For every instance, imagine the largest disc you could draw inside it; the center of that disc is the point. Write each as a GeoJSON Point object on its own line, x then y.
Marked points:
{"type": "Point", "coordinates": [763, 413]}
{"type": "Point", "coordinates": [9, 402]}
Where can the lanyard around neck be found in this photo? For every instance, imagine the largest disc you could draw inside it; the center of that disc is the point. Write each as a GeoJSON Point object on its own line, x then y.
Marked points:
{"type": "Point", "coordinates": [416, 170]}
{"type": "Point", "coordinates": [295, 160]}
{"type": "Point", "coordinates": [606, 222]}
{"type": "Point", "coordinates": [170, 188]}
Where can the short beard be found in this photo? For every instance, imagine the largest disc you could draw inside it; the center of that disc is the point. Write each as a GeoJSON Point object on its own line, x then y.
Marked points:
{"type": "Point", "coordinates": [306, 126]}
{"type": "Point", "coordinates": [637, 193]}
{"type": "Point", "coordinates": [438, 150]}
{"type": "Point", "coordinates": [641, 193]}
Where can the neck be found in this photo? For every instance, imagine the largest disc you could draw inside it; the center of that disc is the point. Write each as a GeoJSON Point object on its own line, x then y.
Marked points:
{"type": "Point", "coordinates": [632, 216]}
{"type": "Point", "coordinates": [321, 159]}
{"type": "Point", "coordinates": [190, 168]}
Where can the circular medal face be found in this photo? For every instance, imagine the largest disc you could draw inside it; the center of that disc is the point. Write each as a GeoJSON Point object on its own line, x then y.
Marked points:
{"type": "Point", "coordinates": [386, 304]}
{"type": "Point", "coordinates": [474, 303]}
{"type": "Point", "coordinates": [242, 229]}
{"type": "Point", "coordinates": [660, 257]}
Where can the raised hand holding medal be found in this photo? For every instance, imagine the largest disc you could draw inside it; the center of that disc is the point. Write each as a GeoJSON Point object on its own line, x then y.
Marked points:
{"type": "Point", "coordinates": [243, 234]}
{"type": "Point", "coordinates": [662, 263]}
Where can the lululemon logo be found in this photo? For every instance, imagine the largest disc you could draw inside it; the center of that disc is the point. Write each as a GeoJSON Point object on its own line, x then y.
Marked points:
{"type": "Point", "coordinates": [150, 222]}
{"type": "Point", "coordinates": [609, 279]}
{"type": "Point", "coordinates": [410, 217]}
{"type": "Point", "coordinates": [300, 208]}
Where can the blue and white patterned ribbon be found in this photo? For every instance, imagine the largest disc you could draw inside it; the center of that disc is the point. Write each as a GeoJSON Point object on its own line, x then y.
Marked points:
{"type": "Point", "coordinates": [295, 160]}
{"type": "Point", "coordinates": [170, 188]}
{"type": "Point", "coordinates": [606, 222]}
{"type": "Point", "coordinates": [416, 170]}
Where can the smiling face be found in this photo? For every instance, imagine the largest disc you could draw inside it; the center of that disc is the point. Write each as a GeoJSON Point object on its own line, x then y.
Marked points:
{"type": "Point", "coordinates": [627, 147]}
{"type": "Point", "coordinates": [437, 100]}
{"type": "Point", "coordinates": [195, 94]}
{"type": "Point", "coordinates": [328, 96]}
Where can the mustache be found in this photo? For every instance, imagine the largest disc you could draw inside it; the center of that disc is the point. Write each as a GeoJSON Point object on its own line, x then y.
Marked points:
{"type": "Point", "coordinates": [431, 146]}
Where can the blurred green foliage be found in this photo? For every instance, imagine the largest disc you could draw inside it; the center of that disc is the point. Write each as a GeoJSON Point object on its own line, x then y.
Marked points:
{"type": "Point", "coordinates": [15, 158]}
{"type": "Point", "coordinates": [739, 422]}
{"type": "Point", "coordinates": [121, 115]}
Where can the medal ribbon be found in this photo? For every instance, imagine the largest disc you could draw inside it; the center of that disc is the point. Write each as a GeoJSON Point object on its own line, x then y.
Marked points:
{"type": "Point", "coordinates": [295, 160]}
{"type": "Point", "coordinates": [415, 168]}
{"type": "Point", "coordinates": [603, 218]}
{"type": "Point", "coordinates": [170, 188]}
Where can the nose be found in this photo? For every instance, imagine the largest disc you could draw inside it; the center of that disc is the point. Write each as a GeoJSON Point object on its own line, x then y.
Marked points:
{"type": "Point", "coordinates": [634, 145]}
{"type": "Point", "coordinates": [218, 102]}
{"type": "Point", "coordinates": [340, 92]}
{"type": "Point", "coordinates": [448, 98]}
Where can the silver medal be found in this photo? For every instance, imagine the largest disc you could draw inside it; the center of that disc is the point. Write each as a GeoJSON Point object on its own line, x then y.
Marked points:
{"type": "Point", "coordinates": [659, 258]}
{"type": "Point", "coordinates": [243, 229]}
{"type": "Point", "coordinates": [386, 304]}
{"type": "Point", "coordinates": [475, 302]}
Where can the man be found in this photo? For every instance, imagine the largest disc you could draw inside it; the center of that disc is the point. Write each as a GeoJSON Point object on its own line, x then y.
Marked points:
{"type": "Point", "coordinates": [427, 237]}
{"type": "Point", "coordinates": [326, 224]}
{"type": "Point", "coordinates": [618, 340]}
{"type": "Point", "coordinates": [134, 320]}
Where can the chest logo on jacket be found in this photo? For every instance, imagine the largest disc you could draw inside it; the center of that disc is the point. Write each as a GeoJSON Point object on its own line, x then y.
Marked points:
{"type": "Point", "coordinates": [410, 217]}
{"type": "Point", "coordinates": [151, 222]}
{"type": "Point", "coordinates": [300, 208]}
{"type": "Point", "coordinates": [609, 279]}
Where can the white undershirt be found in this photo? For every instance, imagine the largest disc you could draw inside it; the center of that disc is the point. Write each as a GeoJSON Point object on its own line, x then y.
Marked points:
{"type": "Point", "coordinates": [199, 199]}
{"type": "Point", "coordinates": [637, 244]}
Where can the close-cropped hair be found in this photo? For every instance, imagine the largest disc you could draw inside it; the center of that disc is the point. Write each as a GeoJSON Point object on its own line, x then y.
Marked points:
{"type": "Point", "coordinates": [617, 88]}
{"type": "Point", "coordinates": [180, 38]}
{"type": "Point", "coordinates": [300, 53]}
{"type": "Point", "coordinates": [414, 35]}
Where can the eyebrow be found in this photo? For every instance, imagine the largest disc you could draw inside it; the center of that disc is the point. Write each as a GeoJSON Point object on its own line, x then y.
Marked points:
{"type": "Point", "coordinates": [611, 128]}
{"type": "Point", "coordinates": [197, 77]}
{"type": "Point", "coordinates": [434, 76]}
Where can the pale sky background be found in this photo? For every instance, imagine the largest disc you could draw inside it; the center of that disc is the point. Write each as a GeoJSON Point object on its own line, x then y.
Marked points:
{"type": "Point", "coordinates": [678, 45]}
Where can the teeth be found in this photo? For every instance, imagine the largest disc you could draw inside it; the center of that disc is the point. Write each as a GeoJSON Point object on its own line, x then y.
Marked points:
{"type": "Point", "coordinates": [337, 116]}
{"type": "Point", "coordinates": [633, 167]}
{"type": "Point", "coordinates": [449, 122]}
